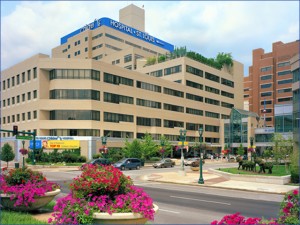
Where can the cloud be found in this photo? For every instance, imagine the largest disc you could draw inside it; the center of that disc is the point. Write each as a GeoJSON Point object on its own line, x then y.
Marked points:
{"type": "Point", "coordinates": [209, 27]}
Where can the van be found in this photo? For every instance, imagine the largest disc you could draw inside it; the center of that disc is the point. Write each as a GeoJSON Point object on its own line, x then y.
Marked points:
{"type": "Point", "coordinates": [128, 163]}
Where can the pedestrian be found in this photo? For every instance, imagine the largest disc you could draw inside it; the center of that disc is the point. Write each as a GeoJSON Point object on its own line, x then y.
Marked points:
{"type": "Point", "coordinates": [212, 157]}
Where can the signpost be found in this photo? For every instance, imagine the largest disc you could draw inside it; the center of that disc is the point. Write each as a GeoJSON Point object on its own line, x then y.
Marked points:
{"type": "Point", "coordinates": [24, 137]}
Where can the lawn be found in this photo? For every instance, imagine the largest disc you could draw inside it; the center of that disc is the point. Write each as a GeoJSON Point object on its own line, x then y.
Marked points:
{"type": "Point", "coordinates": [56, 164]}
{"type": "Point", "coordinates": [278, 170]}
{"type": "Point", "coordinates": [12, 217]}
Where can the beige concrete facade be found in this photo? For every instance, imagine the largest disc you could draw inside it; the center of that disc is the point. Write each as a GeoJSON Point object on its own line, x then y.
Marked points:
{"type": "Point", "coordinates": [127, 100]}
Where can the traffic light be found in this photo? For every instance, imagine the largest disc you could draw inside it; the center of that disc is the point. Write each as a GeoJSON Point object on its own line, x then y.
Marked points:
{"type": "Point", "coordinates": [15, 130]}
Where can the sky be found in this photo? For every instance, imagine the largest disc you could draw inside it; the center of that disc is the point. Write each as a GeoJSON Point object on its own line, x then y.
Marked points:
{"type": "Point", "coordinates": [206, 27]}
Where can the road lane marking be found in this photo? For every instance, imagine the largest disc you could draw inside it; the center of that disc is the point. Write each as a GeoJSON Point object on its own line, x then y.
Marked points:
{"type": "Point", "coordinates": [164, 210]}
{"type": "Point", "coordinates": [223, 203]}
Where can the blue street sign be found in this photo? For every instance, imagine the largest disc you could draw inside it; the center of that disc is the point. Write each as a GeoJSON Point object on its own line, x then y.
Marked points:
{"type": "Point", "coordinates": [38, 144]}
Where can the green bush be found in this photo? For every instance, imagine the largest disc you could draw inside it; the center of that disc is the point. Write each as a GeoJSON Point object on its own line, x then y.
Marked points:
{"type": "Point", "coordinates": [96, 156]}
{"type": "Point", "coordinates": [155, 159]}
{"type": "Point", "coordinates": [295, 176]}
{"type": "Point", "coordinates": [81, 159]}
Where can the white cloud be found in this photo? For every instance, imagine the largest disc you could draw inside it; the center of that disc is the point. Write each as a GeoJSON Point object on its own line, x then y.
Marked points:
{"type": "Point", "coordinates": [206, 27]}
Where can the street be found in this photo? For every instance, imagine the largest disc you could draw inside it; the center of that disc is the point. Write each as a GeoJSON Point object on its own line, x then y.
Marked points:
{"type": "Point", "coordinates": [184, 204]}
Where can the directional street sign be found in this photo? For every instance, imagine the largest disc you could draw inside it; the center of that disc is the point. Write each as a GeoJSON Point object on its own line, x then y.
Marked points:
{"type": "Point", "coordinates": [24, 137]}
{"type": "Point", "coordinates": [38, 144]}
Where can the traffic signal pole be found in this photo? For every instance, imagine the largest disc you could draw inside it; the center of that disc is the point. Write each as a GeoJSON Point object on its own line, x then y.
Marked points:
{"type": "Point", "coordinates": [16, 132]}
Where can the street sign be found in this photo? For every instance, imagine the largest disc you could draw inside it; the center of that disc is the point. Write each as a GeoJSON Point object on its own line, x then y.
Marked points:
{"type": "Point", "coordinates": [38, 144]}
{"type": "Point", "coordinates": [24, 137]}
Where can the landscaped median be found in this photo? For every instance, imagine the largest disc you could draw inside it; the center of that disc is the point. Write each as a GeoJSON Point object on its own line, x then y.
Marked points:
{"type": "Point", "coordinates": [258, 178]}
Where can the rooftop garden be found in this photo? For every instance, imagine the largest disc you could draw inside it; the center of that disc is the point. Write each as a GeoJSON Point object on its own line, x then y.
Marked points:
{"type": "Point", "coordinates": [217, 63]}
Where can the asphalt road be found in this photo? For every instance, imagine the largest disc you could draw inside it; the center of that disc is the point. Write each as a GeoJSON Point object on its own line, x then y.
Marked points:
{"type": "Point", "coordinates": [182, 204]}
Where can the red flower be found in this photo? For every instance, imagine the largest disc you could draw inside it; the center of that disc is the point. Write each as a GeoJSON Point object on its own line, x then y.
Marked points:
{"type": "Point", "coordinates": [23, 151]}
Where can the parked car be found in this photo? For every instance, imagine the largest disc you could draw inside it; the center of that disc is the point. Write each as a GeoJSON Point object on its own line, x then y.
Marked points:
{"type": "Point", "coordinates": [99, 161]}
{"type": "Point", "coordinates": [197, 162]}
{"type": "Point", "coordinates": [128, 163]}
{"type": "Point", "coordinates": [189, 161]}
{"type": "Point", "coordinates": [164, 163]}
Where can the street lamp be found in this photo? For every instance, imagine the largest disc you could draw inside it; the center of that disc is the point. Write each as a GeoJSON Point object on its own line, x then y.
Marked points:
{"type": "Point", "coordinates": [103, 149]}
{"type": "Point", "coordinates": [162, 150]}
{"type": "Point", "coordinates": [182, 139]}
{"type": "Point", "coordinates": [251, 146]}
{"type": "Point", "coordinates": [201, 180]}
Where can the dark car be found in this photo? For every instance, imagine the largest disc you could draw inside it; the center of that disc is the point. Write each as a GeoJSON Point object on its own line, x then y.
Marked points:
{"type": "Point", "coordinates": [164, 163]}
{"type": "Point", "coordinates": [99, 161]}
{"type": "Point", "coordinates": [128, 163]}
{"type": "Point", "coordinates": [197, 162]}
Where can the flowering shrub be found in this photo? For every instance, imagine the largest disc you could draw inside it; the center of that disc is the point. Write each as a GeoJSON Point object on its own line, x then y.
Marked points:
{"type": "Point", "coordinates": [250, 149]}
{"type": "Point", "coordinates": [24, 184]}
{"type": "Point", "coordinates": [23, 151]}
{"type": "Point", "coordinates": [289, 214]}
{"type": "Point", "coordinates": [101, 189]}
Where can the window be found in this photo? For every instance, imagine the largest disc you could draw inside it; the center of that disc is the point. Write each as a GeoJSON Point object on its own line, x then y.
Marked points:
{"type": "Point", "coordinates": [69, 56]}
{"type": "Point", "coordinates": [227, 94]}
{"type": "Point", "coordinates": [23, 97]}
{"type": "Point", "coordinates": [173, 92]}
{"type": "Point", "coordinates": [13, 118]}
{"type": "Point", "coordinates": [157, 73]}
{"type": "Point", "coordinates": [212, 77]}
{"type": "Point", "coordinates": [194, 84]}
{"type": "Point", "coordinates": [34, 114]}
{"type": "Point", "coordinates": [282, 64]}
{"type": "Point", "coordinates": [28, 75]}
{"type": "Point", "coordinates": [4, 120]}
{"type": "Point", "coordinates": [86, 39]}
{"type": "Point", "coordinates": [266, 110]}
{"type": "Point", "coordinates": [212, 101]}
{"type": "Point", "coordinates": [226, 82]}
{"type": "Point", "coordinates": [13, 100]}
{"type": "Point", "coordinates": [4, 103]}
{"type": "Point", "coordinates": [265, 85]}
{"type": "Point", "coordinates": [114, 38]}
{"type": "Point", "coordinates": [285, 81]}
{"type": "Point", "coordinates": [171, 70]}
{"type": "Point", "coordinates": [18, 98]}
{"type": "Point", "coordinates": [8, 102]}
{"type": "Point", "coordinates": [23, 116]}
{"type": "Point", "coordinates": [173, 123]}
{"type": "Point", "coordinates": [285, 99]}
{"type": "Point", "coordinates": [285, 90]}
{"type": "Point", "coordinates": [112, 47]}
{"type": "Point", "coordinates": [281, 73]}
{"type": "Point", "coordinates": [150, 122]}
{"type": "Point", "coordinates": [193, 126]}
{"type": "Point", "coordinates": [97, 36]}
{"type": "Point", "coordinates": [28, 115]}
{"type": "Point", "coordinates": [8, 119]}
{"type": "Point", "coordinates": [266, 77]}
{"type": "Point", "coordinates": [114, 98]}
{"type": "Point", "coordinates": [194, 97]}
{"type": "Point", "coordinates": [18, 117]}
{"type": "Point", "coordinates": [97, 46]}
{"type": "Point", "coordinates": [8, 83]}
{"type": "Point", "coordinates": [148, 103]}
{"type": "Point", "coordinates": [117, 80]}
{"type": "Point", "coordinates": [212, 90]}
{"type": "Point", "coordinates": [34, 73]}
{"type": "Point", "coordinates": [35, 94]}
{"type": "Point", "coordinates": [194, 111]}
{"type": "Point", "coordinates": [13, 81]}
{"type": "Point", "coordinates": [23, 77]}
{"type": "Point", "coordinates": [69, 46]}
{"type": "Point", "coordinates": [132, 44]}
{"type": "Point", "coordinates": [18, 79]}
{"type": "Point", "coordinates": [264, 94]}
{"type": "Point", "coordinates": [194, 71]}
{"type": "Point", "coordinates": [75, 115]}
{"type": "Point", "coordinates": [3, 85]}
{"type": "Point", "coordinates": [74, 94]}
{"type": "Point", "coordinates": [268, 102]}
{"type": "Point", "coordinates": [212, 114]}
{"type": "Point", "coordinates": [148, 86]}
{"type": "Point", "coordinates": [264, 69]}
{"type": "Point", "coordinates": [86, 49]}
{"type": "Point", "coordinates": [127, 58]}
{"type": "Point", "coordinates": [116, 118]}
{"type": "Point", "coordinates": [174, 108]}
{"type": "Point", "coordinates": [211, 128]}
{"type": "Point", "coordinates": [74, 74]}
{"type": "Point", "coordinates": [28, 96]}
{"type": "Point", "coordinates": [227, 105]}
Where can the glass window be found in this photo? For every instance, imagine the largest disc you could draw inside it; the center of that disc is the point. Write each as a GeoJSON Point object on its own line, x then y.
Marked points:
{"type": "Point", "coordinates": [266, 85]}
{"type": "Point", "coordinates": [18, 79]}
{"type": "Point", "coordinates": [281, 73]}
{"type": "Point", "coordinates": [264, 94]}
{"type": "Point", "coordinates": [171, 70]}
{"type": "Point", "coordinates": [148, 86]}
{"type": "Point", "coordinates": [173, 92]}
{"type": "Point", "coordinates": [174, 108]}
{"type": "Point", "coordinates": [28, 75]}
{"type": "Point", "coordinates": [266, 77]}
{"type": "Point", "coordinates": [148, 103]}
{"type": "Point", "coordinates": [194, 111]}
{"type": "Point", "coordinates": [194, 84]}
{"type": "Point", "coordinates": [212, 101]}
{"type": "Point", "coordinates": [264, 69]}
{"type": "Point", "coordinates": [285, 90]}
{"type": "Point", "coordinates": [212, 77]}
{"type": "Point", "coordinates": [285, 81]}
{"type": "Point", "coordinates": [194, 97]}
{"type": "Point", "coordinates": [194, 71]}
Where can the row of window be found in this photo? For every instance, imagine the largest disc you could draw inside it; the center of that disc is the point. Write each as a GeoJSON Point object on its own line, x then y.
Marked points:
{"type": "Point", "coordinates": [17, 99]}
{"type": "Point", "coordinates": [17, 79]}
{"type": "Point", "coordinates": [19, 117]}
{"type": "Point", "coordinates": [74, 74]}
{"type": "Point", "coordinates": [75, 94]}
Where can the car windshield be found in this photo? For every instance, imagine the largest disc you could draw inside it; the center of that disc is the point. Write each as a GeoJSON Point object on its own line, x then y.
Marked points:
{"type": "Point", "coordinates": [120, 161]}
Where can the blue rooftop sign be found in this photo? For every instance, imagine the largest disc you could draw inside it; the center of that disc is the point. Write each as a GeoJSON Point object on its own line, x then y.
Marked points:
{"type": "Point", "coordinates": [122, 28]}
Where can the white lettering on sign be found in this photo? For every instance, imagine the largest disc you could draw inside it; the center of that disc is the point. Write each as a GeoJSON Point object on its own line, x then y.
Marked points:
{"type": "Point", "coordinates": [121, 26]}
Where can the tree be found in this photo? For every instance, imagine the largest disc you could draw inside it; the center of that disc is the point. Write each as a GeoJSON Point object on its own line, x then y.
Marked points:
{"type": "Point", "coordinates": [282, 148]}
{"type": "Point", "coordinates": [267, 154]}
{"type": "Point", "coordinates": [148, 147]}
{"type": "Point", "coordinates": [167, 146]}
{"type": "Point", "coordinates": [224, 59]}
{"type": "Point", "coordinates": [133, 149]}
{"type": "Point", "coordinates": [7, 153]}
{"type": "Point", "coordinates": [240, 150]}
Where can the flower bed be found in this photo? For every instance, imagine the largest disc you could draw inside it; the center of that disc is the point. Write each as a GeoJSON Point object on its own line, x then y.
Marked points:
{"type": "Point", "coordinates": [101, 189]}
{"type": "Point", "coordinates": [24, 186]}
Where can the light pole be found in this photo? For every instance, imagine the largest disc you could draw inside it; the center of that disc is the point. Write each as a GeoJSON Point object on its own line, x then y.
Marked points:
{"type": "Point", "coordinates": [104, 149]}
{"type": "Point", "coordinates": [251, 146]}
{"type": "Point", "coordinates": [162, 150]}
{"type": "Point", "coordinates": [23, 143]}
{"type": "Point", "coordinates": [182, 139]}
{"type": "Point", "coordinates": [201, 180]}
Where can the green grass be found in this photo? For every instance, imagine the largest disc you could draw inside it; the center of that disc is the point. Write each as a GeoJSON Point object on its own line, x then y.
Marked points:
{"type": "Point", "coordinates": [278, 170]}
{"type": "Point", "coordinates": [56, 164]}
{"type": "Point", "coordinates": [13, 217]}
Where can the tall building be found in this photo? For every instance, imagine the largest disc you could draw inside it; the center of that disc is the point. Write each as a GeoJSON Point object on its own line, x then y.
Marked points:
{"type": "Point", "coordinates": [270, 80]}
{"type": "Point", "coordinates": [296, 100]}
{"type": "Point", "coordinates": [99, 82]}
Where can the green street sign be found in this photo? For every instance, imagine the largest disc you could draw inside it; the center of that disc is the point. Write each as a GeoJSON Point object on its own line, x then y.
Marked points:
{"type": "Point", "coordinates": [24, 137]}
